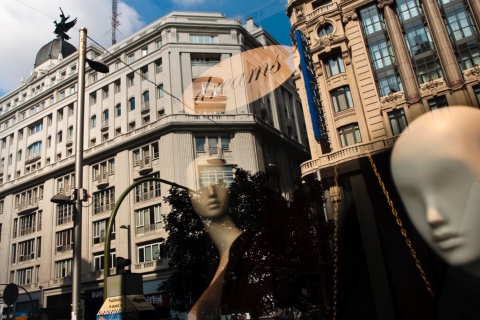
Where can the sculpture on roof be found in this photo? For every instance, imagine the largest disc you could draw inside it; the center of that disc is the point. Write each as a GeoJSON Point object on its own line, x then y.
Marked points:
{"type": "Point", "coordinates": [63, 26]}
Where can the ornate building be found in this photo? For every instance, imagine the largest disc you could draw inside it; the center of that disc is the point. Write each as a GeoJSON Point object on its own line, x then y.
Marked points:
{"type": "Point", "coordinates": [141, 120]}
{"type": "Point", "coordinates": [369, 68]}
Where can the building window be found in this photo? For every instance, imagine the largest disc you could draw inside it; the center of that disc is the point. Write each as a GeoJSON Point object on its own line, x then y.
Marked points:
{"type": "Point", "coordinates": [118, 86]}
{"type": "Point", "coordinates": [145, 120]}
{"type": "Point", "coordinates": [372, 22]}
{"type": "Point", "coordinates": [59, 136]}
{"type": "Point", "coordinates": [131, 103]}
{"type": "Point", "coordinates": [70, 134]}
{"type": "Point", "coordinates": [349, 135]}
{"type": "Point", "coordinates": [103, 201]}
{"type": "Point", "coordinates": [158, 43]}
{"type": "Point", "coordinates": [325, 30]}
{"type": "Point", "coordinates": [160, 91]}
{"type": "Point", "coordinates": [36, 127]}
{"type": "Point", "coordinates": [131, 126]}
{"type": "Point", "coordinates": [26, 250]}
{"type": "Point", "coordinates": [158, 66]}
{"type": "Point", "coordinates": [438, 102]}
{"type": "Point", "coordinates": [131, 79]}
{"type": "Point", "coordinates": [98, 260]}
{"type": "Point", "coordinates": [462, 32]}
{"type": "Point", "coordinates": [73, 89]}
{"type": "Point", "coordinates": [118, 110]}
{"type": "Point", "coordinates": [64, 240]}
{"type": "Point", "coordinates": [102, 170]}
{"type": "Point", "coordinates": [148, 190]}
{"type": "Point", "coordinates": [148, 252]}
{"type": "Point", "coordinates": [28, 223]}
{"type": "Point", "coordinates": [145, 154]}
{"type": "Point", "coordinates": [105, 116]}
{"type": "Point", "coordinates": [93, 98]}
{"type": "Point", "coordinates": [398, 121]}
{"type": "Point", "coordinates": [64, 213]}
{"type": "Point", "coordinates": [144, 73]}
{"type": "Point", "coordinates": [61, 94]}
{"type": "Point", "coordinates": [342, 99]}
{"type": "Point", "coordinates": [211, 145]}
{"type": "Point", "coordinates": [144, 51]}
{"type": "Point", "coordinates": [93, 121]}
{"type": "Point", "coordinates": [131, 57]}
{"type": "Point", "coordinates": [34, 150]}
{"type": "Point", "coordinates": [63, 269]}
{"type": "Point", "coordinates": [148, 219]}
{"type": "Point", "coordinates": [105, 92]}
{"type": "Point", "coordinates": [204, 59]}
{"type": "Point", "coordinates": [408, 9]}
{"type": "Point", "coordinates": [24, 276]}
{"type": "Point", "coordinates": [99, 231]}
{"type": "Point", "coordinates": [214, 175]}
{"type": "Point", "coordinates": [203, 38]}
{"type": "Point", "coordinates": [334, 65]}
{"type": "Point", "coordinates": [145, 100]}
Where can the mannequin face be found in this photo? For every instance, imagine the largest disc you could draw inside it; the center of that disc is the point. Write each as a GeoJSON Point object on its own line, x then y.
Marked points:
{"type": "Point", "coordinates": [436, 169]}
{"type": "Point", "coordinates": [212, 202]}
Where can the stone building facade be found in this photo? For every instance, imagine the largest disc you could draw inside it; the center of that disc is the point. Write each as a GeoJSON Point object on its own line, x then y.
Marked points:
{"type": "Point", "coordinates": [138, 123]}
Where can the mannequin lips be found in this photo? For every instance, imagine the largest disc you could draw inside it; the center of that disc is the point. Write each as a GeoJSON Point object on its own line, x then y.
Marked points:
{"type": "Point", "coordinates": [447, 240]}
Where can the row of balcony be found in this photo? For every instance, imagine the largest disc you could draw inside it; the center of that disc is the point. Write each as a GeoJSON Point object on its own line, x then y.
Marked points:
{"type": "Point", "coordinates": [346, 154]}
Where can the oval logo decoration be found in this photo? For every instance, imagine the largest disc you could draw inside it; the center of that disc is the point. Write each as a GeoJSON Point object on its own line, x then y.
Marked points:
{"type": "Point", "coordinates": [234, 82]}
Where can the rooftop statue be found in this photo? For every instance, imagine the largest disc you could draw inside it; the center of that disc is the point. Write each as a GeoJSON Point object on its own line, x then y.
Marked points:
{"type": "Point", "coordinates": [63, 26]}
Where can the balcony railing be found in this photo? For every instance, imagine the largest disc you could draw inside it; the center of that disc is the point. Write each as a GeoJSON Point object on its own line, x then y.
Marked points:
{"type": "Point", "coordinates": [104, 125]}
{"type": "Point", "coordinates": [144, 196]}
{"type": "Point", "coordinates": [103, 208]}
{"type": "Point", "coordinates": [145, 106]}
{"type": "Point", "coordinates": [66, 247]}
{"type": "Point", "coordinates": [26, 257]}
{"type": "Point", "coordinates": [27, 204]}
{"type": "Point", "coordinates": [346, 154]}
{"type": "Point", "coordinates": [26, 231]}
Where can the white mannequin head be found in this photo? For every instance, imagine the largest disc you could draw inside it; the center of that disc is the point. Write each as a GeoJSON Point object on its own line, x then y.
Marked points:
{"type": "Point", "coordinates": [436, 169]}
{"type": "Point", "coordinates": [211, 202]}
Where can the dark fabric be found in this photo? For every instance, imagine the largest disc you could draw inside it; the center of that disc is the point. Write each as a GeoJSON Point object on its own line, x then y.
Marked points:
{"type": "Point", "coordinates": [249, 278]}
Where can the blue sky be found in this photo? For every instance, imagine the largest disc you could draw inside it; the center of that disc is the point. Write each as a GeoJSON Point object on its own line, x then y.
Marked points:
{"type": "Point", "coordinates": [31, 22]}
{"type": "Point", "coordinates": [268, 14]}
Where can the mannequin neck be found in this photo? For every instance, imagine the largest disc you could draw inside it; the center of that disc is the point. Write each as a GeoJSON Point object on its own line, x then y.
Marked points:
{"type": "Point", "coordinates": [223, 233]}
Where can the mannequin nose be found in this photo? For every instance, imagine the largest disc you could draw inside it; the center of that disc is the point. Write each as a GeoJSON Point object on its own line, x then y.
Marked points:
{"type": "Point", "coordinates": [434, 217]}
{"type": "Point", "coordinates": [211, 190]}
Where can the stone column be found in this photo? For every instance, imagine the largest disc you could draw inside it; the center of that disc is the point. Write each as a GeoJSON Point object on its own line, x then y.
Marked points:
{"type": "Point", "coordinates": [438, 31]}
{"type": "Point", "coordinates": [402, 57]}
{"type": "Point", "coordinates": [475, 8]}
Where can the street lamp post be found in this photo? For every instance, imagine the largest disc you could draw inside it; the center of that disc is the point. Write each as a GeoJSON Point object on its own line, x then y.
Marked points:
{"type": "Point", "coordinates": [79, 192]}
{"type": "Point", "coordinates": [106, 251]}
{"type": "Point", "coordinates": [129, 240]}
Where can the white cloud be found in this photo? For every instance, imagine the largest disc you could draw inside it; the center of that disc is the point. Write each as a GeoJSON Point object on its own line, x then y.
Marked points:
{"type": "Point", "coordinates": [27, 25]}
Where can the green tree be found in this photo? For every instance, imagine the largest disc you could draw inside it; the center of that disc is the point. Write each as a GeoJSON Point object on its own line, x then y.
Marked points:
{"type": "Point", "coordinates": [293, 228]}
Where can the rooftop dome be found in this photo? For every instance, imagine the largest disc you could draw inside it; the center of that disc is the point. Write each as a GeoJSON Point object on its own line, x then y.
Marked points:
{"type": "Point", "coordinates": [53, 49]}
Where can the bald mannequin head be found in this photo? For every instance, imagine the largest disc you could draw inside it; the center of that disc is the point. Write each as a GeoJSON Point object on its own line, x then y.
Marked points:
{"type": "Point", "coordinates": [436, 169]}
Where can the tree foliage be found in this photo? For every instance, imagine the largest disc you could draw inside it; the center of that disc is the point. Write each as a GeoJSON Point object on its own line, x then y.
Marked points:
{"type": "Point", "coordinates": [297, 232]}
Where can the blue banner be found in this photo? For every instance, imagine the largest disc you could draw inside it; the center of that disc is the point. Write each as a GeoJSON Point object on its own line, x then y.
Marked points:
{"type": "Point", "coordinates": [311, 89]}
